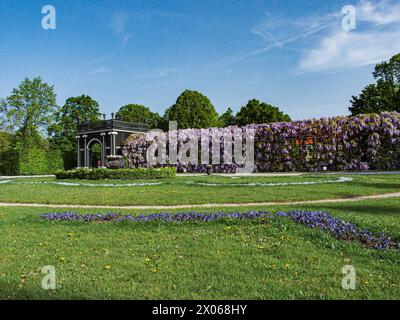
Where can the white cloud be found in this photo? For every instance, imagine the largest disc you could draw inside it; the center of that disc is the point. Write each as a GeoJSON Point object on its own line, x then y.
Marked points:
{"type": "Point", "coordinates": [367, 45]}
{"type": "Point", "coordinates": [100, 70]}
{"type": "Point", "coordinates": [119, 21]}
{"type": "Point", "coordinates": [351, 49]}
{"type": "Point", "coordinates": [324, 43]}
{"type": "Point", "coordinates": [276, 32]}
{"type": "Point", "coordinates": [383, 12]}
{"type": "Point", "coordinates": [119, 24]}
{"type": "Point", "coordinates": [159, 73]}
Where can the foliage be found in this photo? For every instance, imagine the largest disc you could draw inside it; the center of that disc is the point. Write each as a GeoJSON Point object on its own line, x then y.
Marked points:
{"type": "Point", "coordinates": [8, 156]}
{"type": "Point", "coordinates": [16, 159]}
{"type": "Point", "coordinates": [138, 113]}
{"type": "Point", "coordinates": [227, 118]}
{"type": "Point", "coordinates": [5, 140]}
{"type": "Point", "coordinates": [63, 130]}
{"type": "Point", "coordinates": [39, 160]}
{"type": "Point", "coordinates": [33, 162]}
{"type": "Point", "coordinates": [128, 174]}
{"type": "Point", "coordinates": [256, 112]}
{"type": "Point", "coordinates": [340, 143]}
{"type": "Point", "coordinates": [27, 112]}
{"type": "Point", "coordinates": [382, 96]}
{"type": "Point", "coordinates": [192, 110]}
{"type": "Point", "coordinates": [30, 108]}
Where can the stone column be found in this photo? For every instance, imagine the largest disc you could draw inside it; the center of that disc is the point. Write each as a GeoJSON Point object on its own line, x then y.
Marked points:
{"type": "Point", "coordinates": [79, 151]}
{"type": "Point", "coordinates": [85, 152]}
{"type": "Point", "coordinates": [112, 139]}
{"type": "Point", "coordinates": [103, 149]}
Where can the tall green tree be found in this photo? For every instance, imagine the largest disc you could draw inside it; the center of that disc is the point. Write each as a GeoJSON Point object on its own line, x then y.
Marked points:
{"type": "Point", "coordinates": [255, 112]}
{"type": "Point", "coordinates": [138, 113]}
{"type": "Point", "coordinates": [227, 118]}
{"type": "Point", "coordinates": [27, 113]}
{"type": "Point", "coordinates": [63, 130]}
{"type": "Point", "coordinates": [384, 95]}
{"type": "Point", "coordinates": [192, 110]}
{"type": "Point", "coordinates": [29, 109]}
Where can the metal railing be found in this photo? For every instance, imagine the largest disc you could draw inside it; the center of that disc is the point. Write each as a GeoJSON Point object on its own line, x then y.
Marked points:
{"type": "Point", "coordinates": [111, 124]}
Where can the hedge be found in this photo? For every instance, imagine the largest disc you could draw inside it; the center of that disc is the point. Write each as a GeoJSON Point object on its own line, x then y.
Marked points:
{"type": "Point", "coordinates": [363, 142]}
{"type": "Point", "coordinates": [126, 174]}
{"type": "Point", "coordinates": [17, 159]}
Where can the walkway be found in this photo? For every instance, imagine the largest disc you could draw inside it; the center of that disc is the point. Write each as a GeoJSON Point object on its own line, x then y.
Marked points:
{"type": "Point", "coordinates": [206, 205]}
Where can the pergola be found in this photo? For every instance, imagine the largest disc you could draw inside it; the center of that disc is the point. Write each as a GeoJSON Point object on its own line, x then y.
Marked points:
{"type": "Point", "coordinates": [109, 134]}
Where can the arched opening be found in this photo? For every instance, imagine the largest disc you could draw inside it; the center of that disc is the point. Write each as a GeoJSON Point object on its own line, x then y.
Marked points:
{"type": "Point", "coordinates": [95, 153]}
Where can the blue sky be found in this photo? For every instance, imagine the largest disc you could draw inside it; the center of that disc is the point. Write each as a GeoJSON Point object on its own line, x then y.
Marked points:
{"type": "Point", "coordinates": [291, 53]}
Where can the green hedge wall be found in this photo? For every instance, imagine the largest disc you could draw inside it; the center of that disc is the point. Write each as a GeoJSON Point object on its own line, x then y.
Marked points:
{"type": "Point", "coordinates": [18, 159]}
{"type": "Point", "coordinates": [127, 174]}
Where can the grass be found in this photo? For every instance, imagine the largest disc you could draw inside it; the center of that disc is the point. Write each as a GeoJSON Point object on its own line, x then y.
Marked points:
{"type": "Point", "coordinates": [183, 190]}
{"type": "Point", "coordinates": [269, 259]}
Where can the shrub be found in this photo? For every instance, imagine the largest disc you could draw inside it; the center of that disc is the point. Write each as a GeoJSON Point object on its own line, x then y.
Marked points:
{"type": "Point", "coordinates": [16, 158]}
{"type": "Point", "coordinates": [8, 157]}
{"type": "Point", "coordinates": [127, 174]}
{"type": "Point", "coordinates": [36, 161]}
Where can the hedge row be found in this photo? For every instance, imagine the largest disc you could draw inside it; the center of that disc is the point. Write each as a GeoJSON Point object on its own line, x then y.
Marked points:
{"type": "Point", "coordinates": [127, 174]}
{"type": "Point", "coordinates": [361, 142]}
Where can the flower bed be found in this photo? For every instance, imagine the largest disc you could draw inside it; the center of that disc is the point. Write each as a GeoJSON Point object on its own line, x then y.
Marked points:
{"type": "Point", "coordinates": [128, 174]}
{"type": "Point", "coordinates": [317, 220]}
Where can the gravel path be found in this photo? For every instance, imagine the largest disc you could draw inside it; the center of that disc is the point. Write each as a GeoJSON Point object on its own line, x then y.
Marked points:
{"type": "Point", "coordinates": [206, 205]}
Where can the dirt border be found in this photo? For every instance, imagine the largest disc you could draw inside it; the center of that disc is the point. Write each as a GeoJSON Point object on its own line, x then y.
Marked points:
{"type": "Point", "coordinates": [205, 205]}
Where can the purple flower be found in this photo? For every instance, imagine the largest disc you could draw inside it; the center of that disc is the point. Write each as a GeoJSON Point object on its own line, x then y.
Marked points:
{"type": "Point", "coordinates": [313, 219]}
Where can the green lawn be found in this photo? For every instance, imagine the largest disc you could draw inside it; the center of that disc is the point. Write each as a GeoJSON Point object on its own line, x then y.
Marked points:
{"type": "Point", "coordinates": [218, 260]}
{"type": "Point", "coordinates": [188, 190]}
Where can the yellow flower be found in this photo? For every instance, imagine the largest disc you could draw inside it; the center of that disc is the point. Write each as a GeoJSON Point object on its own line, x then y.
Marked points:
{"type": "Point", "coordinates": [62, 259]}
{"type": "Point", "coordinates": [108, 267]}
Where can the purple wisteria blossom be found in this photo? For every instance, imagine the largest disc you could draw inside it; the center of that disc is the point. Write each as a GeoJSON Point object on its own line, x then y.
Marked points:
{"type": "Point", "coordinates": [361, 142]}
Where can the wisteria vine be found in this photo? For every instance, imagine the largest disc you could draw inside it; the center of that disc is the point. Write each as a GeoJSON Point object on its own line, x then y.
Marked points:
{"type": "Point", "coordinates": [340, 143]}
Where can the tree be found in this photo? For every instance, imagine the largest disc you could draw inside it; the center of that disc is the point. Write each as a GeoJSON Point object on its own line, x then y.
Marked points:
{"type": "Point", "coordinates": [227, 118]}
{"type": "Point", "coordinates": [29, 109]}
{"type": "Point", "coordinates": [192, 110]}
{"type": "Point", "coordinates": [257, 113]}
{"type": "Point", "coordinates": [27, 113]}
{"type": "Point", "coordinates": [369, 101]}
{"type": "Point", "coordinates": [382, 96]}
{"type": "Point", "coordinates": [64, 129]}
{"type": "Point", "coordinates": [138, 113]}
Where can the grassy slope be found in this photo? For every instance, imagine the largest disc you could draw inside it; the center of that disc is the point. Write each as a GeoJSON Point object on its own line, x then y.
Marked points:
{"type": "Point", "coordinates": [177, 191]}
{"type": "Point", "coordinates": [256, 260]}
